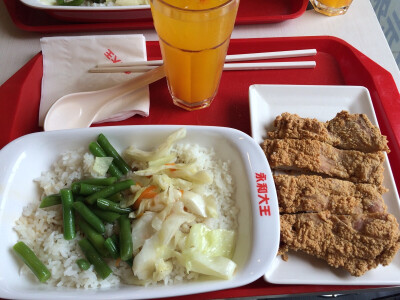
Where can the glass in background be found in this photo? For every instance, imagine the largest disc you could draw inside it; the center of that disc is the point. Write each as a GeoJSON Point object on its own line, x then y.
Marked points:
{"type": "Point", "coordinates": [331, 7]}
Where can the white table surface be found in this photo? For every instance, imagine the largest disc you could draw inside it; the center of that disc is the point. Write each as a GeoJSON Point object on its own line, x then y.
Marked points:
{"type": "Point", "coordinates": [359, 27]}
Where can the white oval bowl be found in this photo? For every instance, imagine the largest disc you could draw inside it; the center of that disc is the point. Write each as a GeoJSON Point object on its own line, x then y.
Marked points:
{"type": "Point", "coordinates": [24, 159]}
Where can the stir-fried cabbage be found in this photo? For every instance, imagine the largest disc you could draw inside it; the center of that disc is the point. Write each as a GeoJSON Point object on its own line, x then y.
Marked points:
{"type": "Point", "coordinates": [194, 203]}
{"type": "Point", "coordinates": [101, 165]}
{"type": "Point", "coordinates": [217, 242]}
{"type": "Point", "coordinates": [217, 266]}
{"type": "Point", "coordinates": [169, 159]}
{"type": "Point", "coordinates": [159, 218]}
{"type": "Point", "coordinates": [173, 222]}
{"type": "Point", "coordinates": [164, 182]}
{"type": "Point", "coordinates": [171, 201]}
{"type": "Point", "coordinates": [209, 251]}
{"type": "Point", "coordinates": [163, 150]}
{"type": "Point", "coordinates": [142, 229]}
{"type": "Point", "coordinates": [200, 177]}
{"type": "Point", "coordinates": [211, 207]}
{"type": "Point", "coordinates": [144, 262]}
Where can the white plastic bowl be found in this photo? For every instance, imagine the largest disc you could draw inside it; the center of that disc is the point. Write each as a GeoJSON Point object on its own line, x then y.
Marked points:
{"type": "Point", "coordinates": [93, 13]}
{"type": "Point", "coordinates": [25, 158]}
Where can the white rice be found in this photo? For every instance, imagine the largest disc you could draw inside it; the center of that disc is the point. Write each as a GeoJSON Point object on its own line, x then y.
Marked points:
{"type": "Point", "coordinates": [41, 229]}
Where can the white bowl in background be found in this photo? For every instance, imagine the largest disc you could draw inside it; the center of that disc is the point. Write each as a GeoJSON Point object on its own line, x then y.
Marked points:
{"type": "Point", "coordinates": [93, 13]}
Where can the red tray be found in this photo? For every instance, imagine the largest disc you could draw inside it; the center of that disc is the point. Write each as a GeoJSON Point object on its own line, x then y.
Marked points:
{"type": "Point", "coordinates": [250, 12]}
{"type": "Point", "coordinates": [338, 63]}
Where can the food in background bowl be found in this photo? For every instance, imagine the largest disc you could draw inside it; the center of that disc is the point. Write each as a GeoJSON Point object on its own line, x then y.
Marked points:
{"type": "Point", "coordinates": [96, 3]}
{"type": "Point", "coordinates": [93, 11]}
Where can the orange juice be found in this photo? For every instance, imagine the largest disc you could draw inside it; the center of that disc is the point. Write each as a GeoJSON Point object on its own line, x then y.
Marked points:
{"type": "Point", "coordinates": [331, 7]}
{"type": "Point", "coordinates": [336, 3]}
{"type": "Point", "coordinates": [194, 37]}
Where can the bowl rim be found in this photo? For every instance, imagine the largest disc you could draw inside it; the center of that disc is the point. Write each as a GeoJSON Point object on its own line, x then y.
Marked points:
{"type": "Point", "coordinates": [38, 5]}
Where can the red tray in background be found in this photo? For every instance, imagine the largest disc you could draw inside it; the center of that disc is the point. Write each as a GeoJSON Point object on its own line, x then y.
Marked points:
{"type": "Point", "coordinates": [250, 12]}
{"type": "Point", "coordinates": [338, 63]}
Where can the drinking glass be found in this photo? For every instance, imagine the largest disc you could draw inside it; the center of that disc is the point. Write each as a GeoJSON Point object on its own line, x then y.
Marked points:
{"type": "Point", "coordinates": [194, 38]}
{"type": "Point", "coordinates": [331, 7]}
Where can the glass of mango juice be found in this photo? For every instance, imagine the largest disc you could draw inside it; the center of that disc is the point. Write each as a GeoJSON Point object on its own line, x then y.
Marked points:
{"type": "Point", "coordinates": [194, 38]}
{"type": "Point", "coordinates": [331, 7]}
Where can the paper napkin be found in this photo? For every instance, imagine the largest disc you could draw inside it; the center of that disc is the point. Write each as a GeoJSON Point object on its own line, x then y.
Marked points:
{"type": "Point", "coordinates": [66, 61]}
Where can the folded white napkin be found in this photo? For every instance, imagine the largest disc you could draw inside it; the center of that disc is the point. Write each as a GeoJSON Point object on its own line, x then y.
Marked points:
{"type": "Point", "coordinates": [66, 61]}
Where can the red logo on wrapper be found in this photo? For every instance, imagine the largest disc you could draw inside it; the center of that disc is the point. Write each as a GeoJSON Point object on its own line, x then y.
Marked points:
{"type": "Point", "coordinates": [262, 192]}
{"type": "Point", "coordinates": [113, 57]}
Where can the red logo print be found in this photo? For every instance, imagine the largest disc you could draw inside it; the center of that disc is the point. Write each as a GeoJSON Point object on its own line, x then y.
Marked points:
{"type": "Point", "coordinates": [262, 192]}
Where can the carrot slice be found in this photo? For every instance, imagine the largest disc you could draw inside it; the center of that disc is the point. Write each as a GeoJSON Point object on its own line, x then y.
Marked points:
{"type": "Point", "coordinates": [118, 261]}
{"type": "Point", "coordinates": [171, 164]}
{"type": "Point", "coordinates": [149, 193]}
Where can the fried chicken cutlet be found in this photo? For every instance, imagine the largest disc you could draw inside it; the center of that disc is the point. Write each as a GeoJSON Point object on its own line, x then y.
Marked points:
{"type": "Point", "coordinates": [310, 193]}
{"type": "Point", "coordinates": [317, 157]}
{"type": "Point", "coordinates": [356, 243]}
{"type": "Point", "coordinates": [333, 209]}
{"type": "Point", "coordinates": [345, 131]}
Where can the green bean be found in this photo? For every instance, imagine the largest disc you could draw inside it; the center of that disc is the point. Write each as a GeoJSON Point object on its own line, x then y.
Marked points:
{"type": "Point", "coordinates": [118, 197]}
{"type": "Point", "coordinates": [110, 151]}
{"type": "Point", "coordinates": [76, 186]}
{"type": "Point", "coordinates": [125, 238]}
{"type": "Point", "coordinates": [95, 259]}
{"type": "Point", "coordinates": [79, 198]}
{"type": "Point", "coordinates": [68, 214]}
{"type": "Point", "coordinates": [106, 216]}
{"type": "Point", "coordinates": [108, 205]}
{"type": "Point", "coordinates": [109, 190]}
{"type": "Point", "coordinates": [32, 261]}
{"type": "Point", "coordinates": [89, 216]}
{"type": "Point", "coordinates": [93, 236]}
{"type": "Point", "coordinates": [99, 181]}
{"type": "Point", "coordinates": [96, 150]}
{"type": "Point", "coordinates": [112, 248]}
{"type": "Point", "coordinates": [115, 239]}
{"type": "Point", "coordinates": [87, 189]}
{"type": "Point", "coordinates": [83, 264]}
{"type": "Point", "coordinates": [50, 200]}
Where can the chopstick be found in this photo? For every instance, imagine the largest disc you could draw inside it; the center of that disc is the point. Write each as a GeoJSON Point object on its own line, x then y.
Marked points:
{"type": "Point", "coordinates": [142, 66]}
{"type": "Point", "coordinates": [227, 67]}
{"type": "Point", "coordinates": [229, 58]}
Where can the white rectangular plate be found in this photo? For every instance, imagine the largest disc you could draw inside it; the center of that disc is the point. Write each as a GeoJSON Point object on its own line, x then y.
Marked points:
{"type": "Point", "coordinates": [322, 103]}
